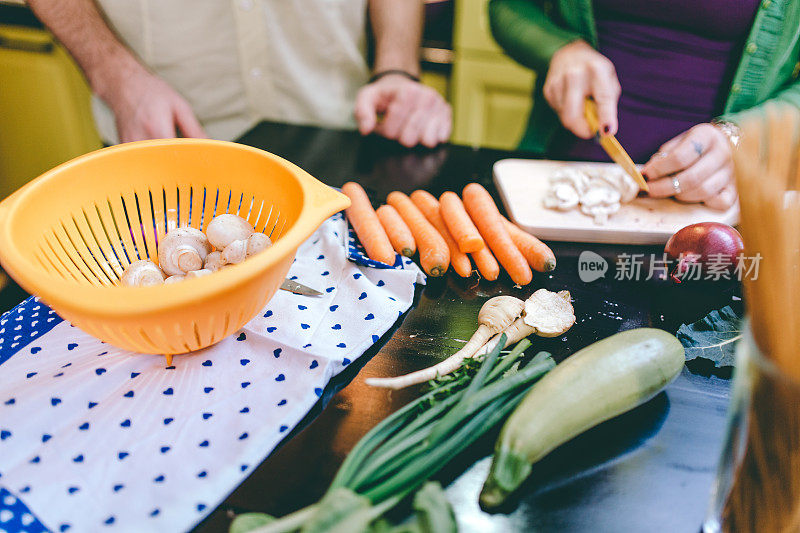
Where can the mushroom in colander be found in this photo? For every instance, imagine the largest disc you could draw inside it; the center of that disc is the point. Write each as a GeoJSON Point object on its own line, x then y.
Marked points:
{"type": "Point", "coordinates": [197, 273]}
{"type": "Point", "coordinates": [142, 274]}
{"type": "Point", "coordinates": [183, 250]}
{"type": "Point", "coordinates": [214, 261]}
{"type": "Point", "coordinates": [235, 252]}
{"type": "Point", "coordinates": [241, 249]}
{"type": "Point", "coordinates": [257, 242]}
{"type": "Point", "coordinates": [224, 229]}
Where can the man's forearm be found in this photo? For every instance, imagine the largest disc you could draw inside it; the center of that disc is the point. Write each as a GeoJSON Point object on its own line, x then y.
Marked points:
{"type": "Point", "coordinates": [397, 26]}
{"type": "Point", "coordinates": [80, 27]}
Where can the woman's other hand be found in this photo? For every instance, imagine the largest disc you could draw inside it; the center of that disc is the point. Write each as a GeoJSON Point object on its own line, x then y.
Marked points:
{"type": "Point", "coordinates": [695, 166]}
{"type": "Point", "coordinates": [576, 71]}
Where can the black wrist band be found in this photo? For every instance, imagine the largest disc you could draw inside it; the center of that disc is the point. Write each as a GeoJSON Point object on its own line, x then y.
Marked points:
{"type": "Point", "coordinates": [379, 75]}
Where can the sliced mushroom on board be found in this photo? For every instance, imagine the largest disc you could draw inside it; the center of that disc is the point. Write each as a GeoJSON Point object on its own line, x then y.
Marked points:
{"type": "Point", "coordinates": [598, 192]}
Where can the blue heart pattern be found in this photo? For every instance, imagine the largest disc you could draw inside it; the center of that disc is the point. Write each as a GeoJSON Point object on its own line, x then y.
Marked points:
{"type": "Point", "coordinates": [169, 430]}
{"type": "Point", "coordinates": [16, 516]}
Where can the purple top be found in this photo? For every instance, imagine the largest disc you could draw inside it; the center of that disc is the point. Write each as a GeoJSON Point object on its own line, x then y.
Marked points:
{"type": "Point", "coordinates": [675, 60]}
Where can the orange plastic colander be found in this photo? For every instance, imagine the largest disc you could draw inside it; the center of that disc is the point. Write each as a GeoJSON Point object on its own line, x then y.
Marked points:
{"type": "Point", "coordinates": [68, 235]}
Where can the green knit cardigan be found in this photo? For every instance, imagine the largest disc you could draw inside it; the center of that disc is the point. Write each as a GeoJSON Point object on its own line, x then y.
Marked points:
{"type": "Point", "coordinates": [531, 31]}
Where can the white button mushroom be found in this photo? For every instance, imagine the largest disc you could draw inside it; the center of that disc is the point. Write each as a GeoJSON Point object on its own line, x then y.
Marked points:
{"type": "Point", "coordinates": [240, 249]}
{"type": "Point", "coordinates": [214, 261]}
{"type": "Point", "coordinates": [174, 279]}
{"type": "Point", "coordinates": [235, 252]}
{"type": "Point", "coordinates": [183, 250]}
{"type": "Point", "coordinates": [598, 191]}
{"type": "Point", "coordinates": [197, 273]}
{"type": "Point", "coordinates": [142, 274]}
{"type": "Point", "coordinates": [600, 200]}
{"type": "Point", "coordinates": [256, 243]}
{"type": "Point", "coordinates": [619, 181]}
{"type": "Point", "coordinates": [600, 212]}
{"type": "Point", "coordinates": [566, 187]}
{"type": "Point", "coordinates": [562, 196]}
{"type": "Point", "coordinates": [224, 229]}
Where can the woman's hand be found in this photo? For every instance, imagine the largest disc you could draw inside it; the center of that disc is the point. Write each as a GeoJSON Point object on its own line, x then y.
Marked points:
{"type": "Point", "coordinates": [576, 71]}
{"type": "Point", "coordinates": [695, 166]}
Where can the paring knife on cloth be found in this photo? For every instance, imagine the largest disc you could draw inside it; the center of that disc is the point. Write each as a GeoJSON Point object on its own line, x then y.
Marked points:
{"type": "Point", "coordinates": [298, 288]}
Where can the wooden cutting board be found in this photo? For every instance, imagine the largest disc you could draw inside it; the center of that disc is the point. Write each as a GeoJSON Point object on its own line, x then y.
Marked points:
{"type": "Point", "coordinates": [523, 183]}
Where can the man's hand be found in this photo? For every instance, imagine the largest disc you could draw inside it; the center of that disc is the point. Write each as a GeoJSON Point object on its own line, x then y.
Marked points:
{"type": "Point", "coordinates": [404, 110]}
{"type": "Point", "coordinates": [576, 71]}
{"type": "Point", "coordinates": [146, 107]}
{"type": "Point", "coordinates": [695, 166]}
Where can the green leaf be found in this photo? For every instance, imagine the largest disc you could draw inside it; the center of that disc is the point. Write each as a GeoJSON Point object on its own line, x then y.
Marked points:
{"type": "Point", "coordinates": [250, 521]}
{"type": "Point", "coordinates": [713, 337]}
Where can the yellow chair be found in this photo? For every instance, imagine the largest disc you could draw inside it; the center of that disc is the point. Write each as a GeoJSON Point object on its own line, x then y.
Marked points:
{"type": "Point", "coordinates": [45, 114]}
{"type": "Point", "coordinates": [491, 92]}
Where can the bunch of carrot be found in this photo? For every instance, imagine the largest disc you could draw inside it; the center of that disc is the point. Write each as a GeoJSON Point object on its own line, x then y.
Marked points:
{"type": "Point", "coordinates": [447, 232]}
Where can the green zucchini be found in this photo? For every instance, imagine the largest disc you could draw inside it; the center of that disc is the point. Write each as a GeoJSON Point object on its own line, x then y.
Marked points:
{"type": "Point", "coordinates": [597, 383]}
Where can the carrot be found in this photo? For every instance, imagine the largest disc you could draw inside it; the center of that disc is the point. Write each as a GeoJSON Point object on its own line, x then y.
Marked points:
{"type": "Point", "coordinates": [484, 213]}
{"type": "Point", "coordinates": [366, 224]}
{"type": "Point", "coordinates": [539, 256]}
{"type": "Point", "coordinates": [486, 263]}
{"type": "Point", "coordinates": [458, 222]}
{"type": "Point", "coordinates": [434, 256]}
{"type": "Point", "coordinates": [399, 235]}
{"type": "Point", "coordinates": [429, 205]}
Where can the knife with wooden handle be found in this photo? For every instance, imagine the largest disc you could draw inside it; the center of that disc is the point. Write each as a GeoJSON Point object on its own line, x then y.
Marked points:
{"type": "Point", "coordinates": [611, 145]}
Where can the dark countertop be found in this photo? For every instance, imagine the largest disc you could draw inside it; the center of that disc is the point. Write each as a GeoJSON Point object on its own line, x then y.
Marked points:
{"type": "Point", "coordinates": [648, 470]}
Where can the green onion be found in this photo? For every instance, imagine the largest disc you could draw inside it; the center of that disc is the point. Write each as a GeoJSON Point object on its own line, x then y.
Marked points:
{"type": "Point", "coordinates": [398, 455]}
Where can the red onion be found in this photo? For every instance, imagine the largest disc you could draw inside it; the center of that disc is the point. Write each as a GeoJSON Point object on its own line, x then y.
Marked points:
{"type": "Point", "coordinates": [705, 243]}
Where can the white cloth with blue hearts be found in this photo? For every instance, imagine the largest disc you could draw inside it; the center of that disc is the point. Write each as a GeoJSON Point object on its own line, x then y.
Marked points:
{"type": "Point", "coordinates": [94, 438]}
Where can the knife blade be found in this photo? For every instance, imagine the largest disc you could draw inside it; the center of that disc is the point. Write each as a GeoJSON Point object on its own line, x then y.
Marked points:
{"type": "Point", "coordinates": [298, 288]}
{"type": "Point", "coordinates": [613, 148]}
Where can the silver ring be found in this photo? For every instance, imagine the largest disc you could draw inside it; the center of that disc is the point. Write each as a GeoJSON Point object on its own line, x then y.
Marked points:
{"type": "Point", "coordinates": [659, 155]}
{"type": "Point", "coordinates": [676, 185]}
